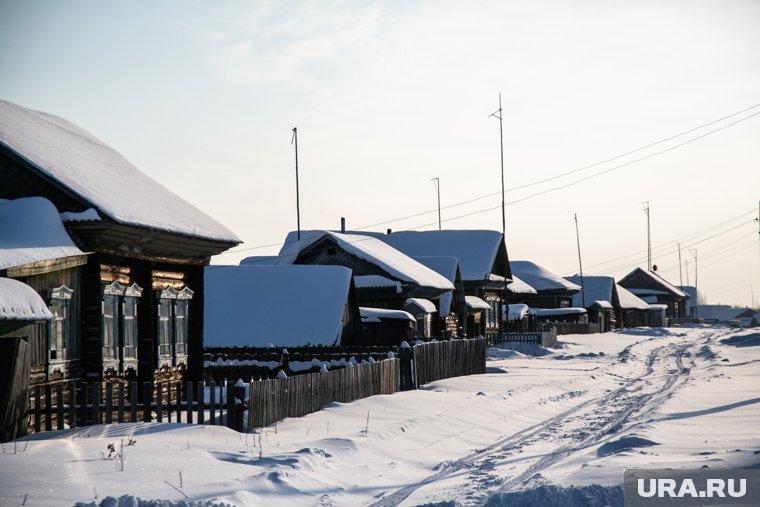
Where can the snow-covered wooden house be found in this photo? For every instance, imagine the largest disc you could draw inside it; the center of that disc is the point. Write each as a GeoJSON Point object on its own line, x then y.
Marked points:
{"type": "Point", "coordinates": [142, 286]}
{"type": "Point", "coordinates": [609, 304]}
{"type": "Point", "coordinates": [652, 288]}
{"type": "Point", "coordinates": [286, 306]}
{"type": "Point", "coordinates": [483, 263]}
{"type": "Point", "coordinates": [448, 316]}
{"type": "Point", "coordinates": [552, 291]}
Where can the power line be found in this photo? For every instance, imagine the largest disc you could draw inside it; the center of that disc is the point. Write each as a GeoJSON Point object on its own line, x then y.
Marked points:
{"type": "Point", "coordinates": [561, 187]}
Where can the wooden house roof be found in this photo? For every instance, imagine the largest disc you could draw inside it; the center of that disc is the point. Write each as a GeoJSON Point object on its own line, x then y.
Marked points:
{"type": "Point", "coordinates": [643, 283]}
{"type": "Point", "coordinates": [79, 165]}
{"type": "Point", "coordinates": [33, 239]}
{"type": "Point", "coordinates": [282, 305]}
{"type": "Point", "coordinates": [541, 279]}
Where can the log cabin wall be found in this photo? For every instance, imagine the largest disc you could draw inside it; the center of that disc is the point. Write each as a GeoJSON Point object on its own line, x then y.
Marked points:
{"type": "Point", "coordinates": [44, 368]}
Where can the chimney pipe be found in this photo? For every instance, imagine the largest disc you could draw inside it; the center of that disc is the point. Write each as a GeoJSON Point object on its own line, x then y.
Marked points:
{"type": "Point", "coordinates": [388, 231]}
{"type": "Point", "coordinates": [343, 225]}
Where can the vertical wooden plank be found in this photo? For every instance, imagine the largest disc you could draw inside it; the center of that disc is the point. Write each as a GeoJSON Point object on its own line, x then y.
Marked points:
{"type": "Point", "coordinates": [178, 399]}
{"type": "Point", "coordinates": [37, 408]}
{"type": "Point", "coordinates": [120, 394]}
{"type": "Point", "coordinates": [147, 401]}
{"type": "Point", "coordinates": [201, 403]}
{"type": "Point", "coordinates": [212, 402]}
{"type": "Point", "coordinates": [160, 401]}
{"type": "Point", "coordinates": [169, 401]}
{"type": "Point", "coordinates": [48, 407]}
{"type": "Point", "coordinates": [95, 403]}
{"type": "Point", "coordinates": [230, 406]}
{"type": "Point", "coordinates": [133, 401]}
{"type": "Point", "coordinates": [109, 403]}
{"type": "Point", "coordinates": [85, 395]}
{"type": "Point", "coordinates": [73, 404]}
{"type": "Point", "coordinates": [59, 406]}
{"type": "Point", "coordinates": [189, 402]}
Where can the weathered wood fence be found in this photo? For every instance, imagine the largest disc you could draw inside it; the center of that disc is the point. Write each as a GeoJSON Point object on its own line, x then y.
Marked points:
{"type": "Point", "coordinates": [73, 404]}
{"type": "Point", "coordinates": [276, 399]}
{"type": "Point", "coordinates": [14, 384]}
{"type": "Point", "coordinates": [445, 359]}
{"type": "Point", "coordinates": [545, 338]}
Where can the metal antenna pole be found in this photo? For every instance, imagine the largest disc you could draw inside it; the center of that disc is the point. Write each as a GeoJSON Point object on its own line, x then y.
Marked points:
{"type": "Point", "coordinates": [437, 183]}
{"type": "Point", "coordinates": [298, 197]}
{"type": "Point", "coordinates": [696, 281]}
{"type": "Point", "coordinates": [680, 264]}
{"type": "Point", "coordinates": [580, 262]}
{"type": "Point", "coordinates": [649, 236]}
{"type": "Point", "coordinates": [498, 115]}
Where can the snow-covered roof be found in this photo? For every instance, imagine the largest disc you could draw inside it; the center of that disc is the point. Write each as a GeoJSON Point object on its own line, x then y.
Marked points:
{"type": "Point", "coordinates": [517, 312]}
{"type": "Point", "coordinates": [637, 275]}
{"type": "Point", "coordinates": [419, 306]}
{"type": "Point", "coordinates": [446, 267]}
{"type": "Point", "coordinates": [19, 302]}
{"type": "Point", "coordinates": [31, 231]}
{"type": "Point", "coordinates": [594, 288]}
{"type": "Point", "coordinates": [98, 175]}
{"type": "Point", "coordinates": [380, 314]}
{"type": "Point", "coordinates": [283, 305]}
{"type": "Point", "coordinates": [476, 250]}
{"type": "Point", "coordinates": [371, 281]}
{"type": "Point", "coordinates": [394, 263]}
{"type": "Point", "coordinates": [602, 304]}
{"type": "Point", "coordinates": [648, 292]}
{"type": "Point", "coordinates": [719, 312]}
{"type": "Point", "coordinates": [540, 278]}
{"type": "Point", "coordinates": [658, 307]}
{"type": "Point", "coordinates": [629, 300]}
{"type": "Point", "coordinates": [550, 312]}
{"type": "Point", "coordinates": [88, 215]}
{"type": "Point", "coordinates": [475, 303]}
{"type": "Point", "coordinates": [519, 287]}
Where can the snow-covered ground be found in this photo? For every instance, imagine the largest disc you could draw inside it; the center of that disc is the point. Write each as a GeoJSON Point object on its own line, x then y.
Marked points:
{"type": "Point", "coordinates": [542, 427]}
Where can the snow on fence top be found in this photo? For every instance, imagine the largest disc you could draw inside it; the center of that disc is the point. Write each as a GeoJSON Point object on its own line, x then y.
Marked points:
{"type": "Point", "coordinates": [32, 231]}
{"type": "Point", "coordinates": [476, 250]}
{"type": "Point", "coordinates": [541, 279]}
{"type": "Point", "coordinates": [19, 302]}
{"type": "Point", "coordinates": [283, 305]}
{"type": "Point", "coordinates": [102, 178]}
{"type": "Point", "coordinates": [371, 249]}
{"type": "Point", "coordinates": [553, 312]}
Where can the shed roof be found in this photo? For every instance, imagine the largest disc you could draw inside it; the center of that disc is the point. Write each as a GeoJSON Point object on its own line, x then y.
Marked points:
{"type": "Point", "coordinates": [519, 287]}
{"type": "Point", "coordinates": [602, 288]}
{"type": "Point", "coordinates": [20, 303]}
{"type": "Point", "coordinates": [379, 314]}
{"type": "Point", "coordinates": [540, 278]}
{"type": "Point", "coordinates": [393, 262]}
{"type": "Point", "coordinates": [85, 166]}
{"type": "Point", "coordinates": [31, 231]}
{"type": "Point", "coordinates": [478, 251]}
{"type": "Point", "coordinates": [284, 305]}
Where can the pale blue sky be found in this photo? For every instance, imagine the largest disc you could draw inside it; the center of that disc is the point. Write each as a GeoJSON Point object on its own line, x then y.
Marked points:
{"type": "Point", "coordinates": [202, 96]}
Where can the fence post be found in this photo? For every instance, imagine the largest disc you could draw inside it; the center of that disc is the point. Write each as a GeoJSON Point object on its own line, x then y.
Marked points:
{"type": "Point", "coordinates": [37, 408]}
{"type": "Point", "coordinates": [120, 417]}
{"type": "Point", "coordinates": [159, 402]}
{"type": "Point", "coordinates": [201, 403]}
{"type": "Point", "coordinates": [230, 406]}
{"type": "Point", "coordinates": [59, 406]}
{"type": "Point", "coordinates": [239, 392]}
{"type": "Point", "coordinates": [189, 402]}
{"type": "Point", "coordinates": [133, 401]}
{"type": "Point", "coordinates": [109, 403]}
{"type": "Point", "coordinates": [73, 404]}
{"type": "Point", "coordinates": [48, 407]}
{"type": "Point", "coordinates": [147, 401]}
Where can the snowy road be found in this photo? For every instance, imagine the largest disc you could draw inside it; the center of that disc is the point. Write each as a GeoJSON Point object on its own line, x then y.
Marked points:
{"type": "Point", "coordinates": [554, 427]}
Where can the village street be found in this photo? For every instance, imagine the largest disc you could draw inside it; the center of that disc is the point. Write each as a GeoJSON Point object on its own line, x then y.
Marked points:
{"type": "Point", "coordinates": [550, 426]}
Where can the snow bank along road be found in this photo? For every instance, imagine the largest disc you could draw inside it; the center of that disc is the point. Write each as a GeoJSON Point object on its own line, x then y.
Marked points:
{"type": "Point", "coordinates": [548, 427]}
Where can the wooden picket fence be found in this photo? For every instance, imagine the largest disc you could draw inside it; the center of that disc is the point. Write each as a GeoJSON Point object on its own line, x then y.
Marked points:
{"type": "Point", "coordinates": [276, 399]}
{"type": "Point", "coordinates": [445, 359]}
{"type": "Point", "coordinates": [75, 403]}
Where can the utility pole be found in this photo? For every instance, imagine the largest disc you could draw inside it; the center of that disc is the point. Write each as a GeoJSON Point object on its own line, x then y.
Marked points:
{"type": "Point", "coordinates": [294, 139]}
{"type": "Point", "coordinates": [498, 115]}
{"type": "Point", "coordinates": [437, 183]}
{"type": "Point", "coordinates": [580, 263]}
{"type": "Point", "coordinates": [649, 236]}
{"type": "Point", "coordinates": [696, 281]}
{"type": "Point", "coordinates": [680, 264]}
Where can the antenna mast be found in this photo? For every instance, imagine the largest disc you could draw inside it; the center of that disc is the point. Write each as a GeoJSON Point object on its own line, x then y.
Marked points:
{"type": "Point", "coordinates": [294, 139]}
{"type": "Point", "coordinates": [649, 236]}
{"type": "Point", "coordinates": [437, 183]}
{"type": "Point", "coordinates": [580, 263]}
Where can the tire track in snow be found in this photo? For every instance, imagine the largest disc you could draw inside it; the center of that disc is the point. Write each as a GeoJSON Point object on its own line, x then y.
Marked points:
{"type": "Point", "coordinates": [629, 398]}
